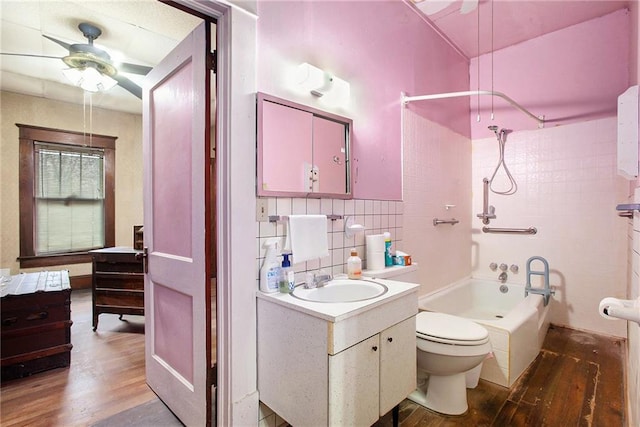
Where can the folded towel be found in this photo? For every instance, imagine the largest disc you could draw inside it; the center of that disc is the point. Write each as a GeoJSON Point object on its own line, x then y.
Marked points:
{"type": "Point", "coordinates": [307, 237]}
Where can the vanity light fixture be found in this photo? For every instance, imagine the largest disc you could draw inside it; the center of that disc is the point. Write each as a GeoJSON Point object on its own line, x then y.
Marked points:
{"type": "Point", "coordinates": [321, 84]}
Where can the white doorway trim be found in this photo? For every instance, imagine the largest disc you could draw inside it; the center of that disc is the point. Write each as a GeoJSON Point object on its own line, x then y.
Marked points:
{"type": "Point", "coordinates": [237, 395]}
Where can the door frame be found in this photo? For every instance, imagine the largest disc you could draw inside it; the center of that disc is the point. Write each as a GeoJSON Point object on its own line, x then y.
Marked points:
{"type": "Point", "coordinates": [237, 395]}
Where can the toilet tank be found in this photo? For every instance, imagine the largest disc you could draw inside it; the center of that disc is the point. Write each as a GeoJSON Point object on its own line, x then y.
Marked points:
{"type": "Point", "coordinates": [401, 273]}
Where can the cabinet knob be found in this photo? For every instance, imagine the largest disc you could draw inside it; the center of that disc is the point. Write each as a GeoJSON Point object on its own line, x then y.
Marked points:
{"type": "Point", "coordinates": [390, 339]}
{"type": "Point", "coordinates": [374, 348]}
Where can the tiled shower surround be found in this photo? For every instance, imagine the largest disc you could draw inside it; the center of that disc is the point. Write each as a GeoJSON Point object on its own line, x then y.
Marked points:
{"type": "Point", "coordinates": [377, 216]}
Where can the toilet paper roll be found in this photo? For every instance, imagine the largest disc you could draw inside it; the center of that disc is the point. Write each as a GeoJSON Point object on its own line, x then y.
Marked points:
{"type": "Point", "coordinates": [614, 308]}
{"type": "Point", "coordinates": [375, 251]}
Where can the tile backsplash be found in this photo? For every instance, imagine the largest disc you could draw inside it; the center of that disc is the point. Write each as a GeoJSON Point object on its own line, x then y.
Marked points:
{"type": "Point", "coordinates": [377, 216]}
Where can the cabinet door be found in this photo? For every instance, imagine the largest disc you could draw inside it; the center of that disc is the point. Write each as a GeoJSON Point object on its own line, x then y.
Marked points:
{"type": "Point", "coordinates": [286, 149]}
{"type": "Point", "coordinates": [329, 156]}
{"type": "Point", "coordinates": [397, 363]}
{"type": "Point", "coordinates": [353, 384]}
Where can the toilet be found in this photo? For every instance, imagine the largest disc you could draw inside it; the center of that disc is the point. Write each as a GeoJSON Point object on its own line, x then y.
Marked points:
{"type": "Point", "coordinates": [450, 352]}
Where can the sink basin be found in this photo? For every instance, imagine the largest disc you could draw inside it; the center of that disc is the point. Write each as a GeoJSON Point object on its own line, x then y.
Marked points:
{"type": "Point", "coordinates": [342, 290]}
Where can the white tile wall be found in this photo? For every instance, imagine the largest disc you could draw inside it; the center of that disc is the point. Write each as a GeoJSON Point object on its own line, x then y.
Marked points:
{"type": "Point", "coordinates": [377, 216]}
{"type": "Point", "coordinates": [568, 189]}
{"type": "Point", "coordinates": [437, 173]}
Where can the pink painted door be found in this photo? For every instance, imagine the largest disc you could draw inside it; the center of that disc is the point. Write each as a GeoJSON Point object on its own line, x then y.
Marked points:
{"type": "Point", "coordinates": [176, 220]}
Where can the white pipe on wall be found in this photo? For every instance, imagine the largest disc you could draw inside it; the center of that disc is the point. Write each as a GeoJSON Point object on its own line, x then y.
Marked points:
{"type": "Point", "coordinates": [406, 99]}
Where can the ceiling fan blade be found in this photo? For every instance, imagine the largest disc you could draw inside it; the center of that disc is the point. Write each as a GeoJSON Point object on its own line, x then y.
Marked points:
{"type": "Point", "coordinates": [128, 85]}
{"type": "Point", "coordinates": [30, 55]}
{"type": "Point", "coordinates": [60, 42]}
{"type": "Point", "coordinates": [133, 68]}
{"type": "Point", "coordinates": [468, 6]}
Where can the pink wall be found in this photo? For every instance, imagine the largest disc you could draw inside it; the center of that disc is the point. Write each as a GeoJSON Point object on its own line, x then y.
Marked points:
{"type": "Point", "coordinates": [382, 48]}
{"type": "Point", "coordinates": [634, 46]}
{"type": "Point", "coordinates": [574, 74]}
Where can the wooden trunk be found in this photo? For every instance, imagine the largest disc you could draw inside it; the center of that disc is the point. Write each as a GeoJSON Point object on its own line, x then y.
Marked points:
{"type": "Point", "coordinates": [118, 282]}
{"type": "Point", "coordinates": [36, 323]}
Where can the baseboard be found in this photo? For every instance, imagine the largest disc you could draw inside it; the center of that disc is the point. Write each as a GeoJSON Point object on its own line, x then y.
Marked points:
{"type": "Point", "coordinates": [81, 282]}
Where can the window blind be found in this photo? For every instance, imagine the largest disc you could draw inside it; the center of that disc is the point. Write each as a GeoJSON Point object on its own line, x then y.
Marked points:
{"type": "Point", "coordinates": [69, 193]}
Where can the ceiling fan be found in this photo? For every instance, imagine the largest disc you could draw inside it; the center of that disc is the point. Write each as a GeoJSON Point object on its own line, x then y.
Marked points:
{"type": "Point", "coordinates": [91, 67]}
{"type": "Point", "coordinates": [431, 7]}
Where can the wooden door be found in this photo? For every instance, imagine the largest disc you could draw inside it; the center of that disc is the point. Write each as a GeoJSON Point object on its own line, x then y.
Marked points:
{"type": "Point", "coordinates": [176, 225]}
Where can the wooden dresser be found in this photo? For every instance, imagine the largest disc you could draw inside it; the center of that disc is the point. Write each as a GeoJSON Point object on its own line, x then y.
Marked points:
{"type": "Point", "coordinates": [118, 282]}
{"type": "Point", "coordinates": [36, 324]}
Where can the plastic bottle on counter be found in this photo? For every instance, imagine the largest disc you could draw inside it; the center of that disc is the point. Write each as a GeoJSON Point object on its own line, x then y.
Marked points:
{"type": "Point", "coordinates": [270, 271]}
{"type": "Point", "coordinates": [388, 260]}
{"type": "Point", "coordinates": [354, 265]}
{"type": "Point", "coordinates": [287, 276]}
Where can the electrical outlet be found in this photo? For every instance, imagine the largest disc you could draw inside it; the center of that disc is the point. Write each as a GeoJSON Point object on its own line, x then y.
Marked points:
{"type": "Point", "coordinates": [262, 209]}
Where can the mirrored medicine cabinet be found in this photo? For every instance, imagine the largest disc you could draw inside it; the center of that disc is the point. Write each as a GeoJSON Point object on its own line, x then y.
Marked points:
{"type": "Point", "coordinates": [302, 151]}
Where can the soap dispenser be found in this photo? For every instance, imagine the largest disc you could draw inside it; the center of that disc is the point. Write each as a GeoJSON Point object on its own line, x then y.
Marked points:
{"type": "Point", "coordinates": [287, 277]}
{"type": "Point", "coordinates": [354, 265]}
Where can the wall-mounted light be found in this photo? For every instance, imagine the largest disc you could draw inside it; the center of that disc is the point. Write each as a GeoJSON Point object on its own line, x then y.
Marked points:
{"type": "Point", "coordinates": [332, 89]}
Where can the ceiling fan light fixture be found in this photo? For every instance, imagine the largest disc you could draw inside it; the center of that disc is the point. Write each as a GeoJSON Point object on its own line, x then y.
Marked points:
{"type": "Point", "coordinates": [89, 79]}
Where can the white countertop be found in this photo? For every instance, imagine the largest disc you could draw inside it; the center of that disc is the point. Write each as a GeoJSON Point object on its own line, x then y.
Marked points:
{"type": "Point", "coordinates": [335, 312]}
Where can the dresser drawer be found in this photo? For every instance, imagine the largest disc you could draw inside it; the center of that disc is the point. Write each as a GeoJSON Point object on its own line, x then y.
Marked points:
{"type": "Point", "coordinates": [115, 267]}
{"type": "Point", "coordinates": [125, 257]}
{"type": "Point", "coordinates": [129, 281]}
{"type": "Point", "coordinates": [114, 298]}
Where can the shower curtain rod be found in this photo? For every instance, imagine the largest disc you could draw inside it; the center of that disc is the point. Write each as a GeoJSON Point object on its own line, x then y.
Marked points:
{"type": "Point", "coordinates": [407, 99]}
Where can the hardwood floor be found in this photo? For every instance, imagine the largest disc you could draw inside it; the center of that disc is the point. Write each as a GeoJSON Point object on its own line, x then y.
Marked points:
{"type": "Point", "coordinates": [577, 380]}
{"type": "Point", "coordinates": [106, 375]}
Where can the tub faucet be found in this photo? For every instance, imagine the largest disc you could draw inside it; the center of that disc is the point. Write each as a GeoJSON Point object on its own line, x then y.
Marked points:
{"type": "Point", "coordinates": [502, 277]}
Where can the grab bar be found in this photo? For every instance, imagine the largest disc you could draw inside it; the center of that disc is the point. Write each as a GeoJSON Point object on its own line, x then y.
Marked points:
{"type": "Point", "coordinates": [530, 230]}
{"type": "Point", "coordinates": [280, 218]}
{"type": "Point", "coordinates": [626, 211]}
{"type": "Point", "coordinates": [546, 291]}
{"type": "Point", "coordinates": [451, 221]}
{"type": "Point", "coordinates": [488, 212]}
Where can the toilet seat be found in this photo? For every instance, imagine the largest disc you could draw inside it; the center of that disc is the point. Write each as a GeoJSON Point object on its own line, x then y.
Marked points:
{"type": "Point", "coordinates": [447, 329]}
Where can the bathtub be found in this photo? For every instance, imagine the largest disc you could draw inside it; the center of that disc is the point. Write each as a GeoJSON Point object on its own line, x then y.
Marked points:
{"type": "Point", "coordinates": [517, 325]}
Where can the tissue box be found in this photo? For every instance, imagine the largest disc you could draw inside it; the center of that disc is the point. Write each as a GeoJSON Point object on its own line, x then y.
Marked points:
{"type": "Point", "coordinates": [401, 260]}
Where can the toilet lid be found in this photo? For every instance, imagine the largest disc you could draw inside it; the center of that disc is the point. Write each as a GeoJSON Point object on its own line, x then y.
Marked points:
{"type": "Point", "coordinates": [450, 329]}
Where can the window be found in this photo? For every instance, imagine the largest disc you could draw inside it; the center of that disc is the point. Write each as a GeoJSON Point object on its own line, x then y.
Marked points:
{"type": "Point", "coordinates": [66, 195]}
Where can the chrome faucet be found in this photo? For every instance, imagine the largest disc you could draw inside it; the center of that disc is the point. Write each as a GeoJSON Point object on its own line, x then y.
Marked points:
{"type": "Point", "coordinates": [321, 279]}
{"type": "Point", "coordinates": [317, 280]}
{"type": "Point", "coordinates": [502, 277]}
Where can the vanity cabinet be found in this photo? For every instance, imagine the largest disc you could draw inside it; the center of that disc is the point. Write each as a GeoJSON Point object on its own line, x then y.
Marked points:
{"type": "Point", "coordinates": [323, 369]}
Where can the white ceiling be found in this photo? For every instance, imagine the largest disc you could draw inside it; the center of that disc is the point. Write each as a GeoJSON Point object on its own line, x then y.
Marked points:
{"type": "Point", "coordinates": [139, 32]}
{"type": "Point", "coordinates": [508, 22]}
{"type": "Point", "coordinates": [144, 31]}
